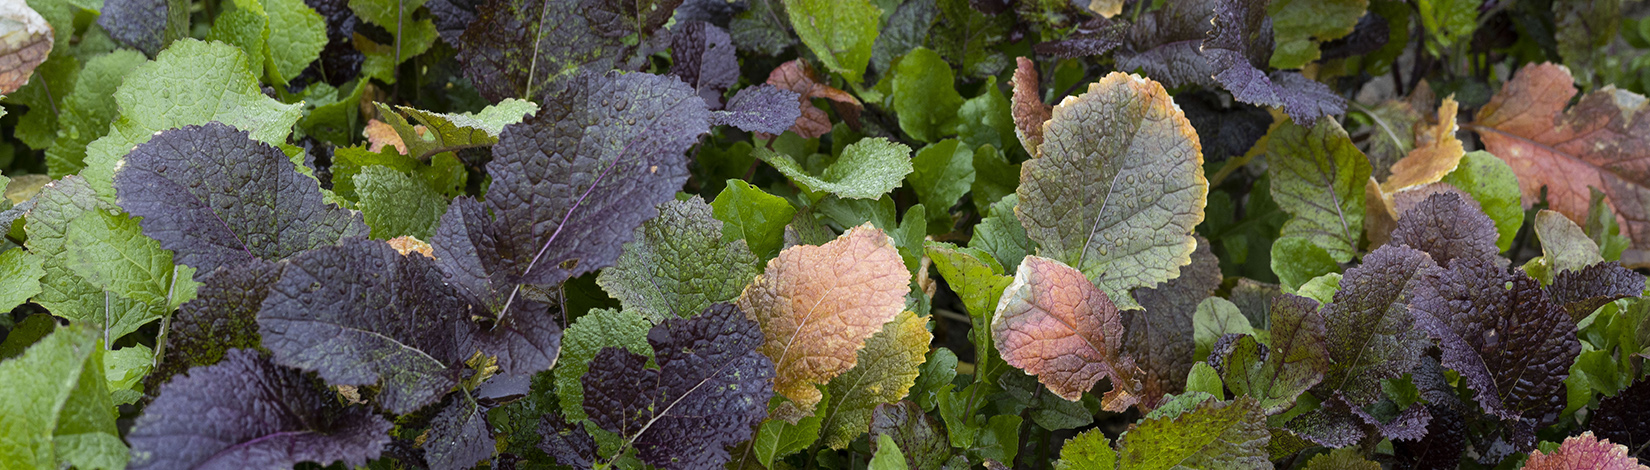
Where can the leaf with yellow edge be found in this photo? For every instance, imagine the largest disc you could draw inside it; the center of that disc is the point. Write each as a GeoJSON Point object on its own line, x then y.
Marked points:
{"type": "Point", "coordinates": [887, 368]}
{"type": "Point", "coordinates": [818, 304]}
{"type": "Point", "coordinates": [1437, 152]}
{"type": "Point", "coordinates": [1584, 451]}
{"type": "Point", "coordinates": [1055, 325]}
{"type": "Point", "coordinates": [1117, 186]}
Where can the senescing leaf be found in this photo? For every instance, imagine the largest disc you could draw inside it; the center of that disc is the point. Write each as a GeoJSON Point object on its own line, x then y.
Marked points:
{"type": "Point", "coordinates": [1566, 149]}
{"type": "Point", "coordinates": [819, 304]}
{"type": "Point", "coordinates": [799, 77]}
{"type": "Point", "coordinates": [1584, 451]}
{"type": "Point", "coordinates": [710, 390]}
{"type": "Point", "coordinates": [1121, 205]}
{"type": "Point", "coordinates": [262, 415]}
{"type": "Point", "coordinates": [1029, 111]}
{"type": "Point", "coordinates": [1053, 324]}
{"type": "Point", "coordinates": [25, 41]}
{"type": "Point", "coordinates": [883, 373]}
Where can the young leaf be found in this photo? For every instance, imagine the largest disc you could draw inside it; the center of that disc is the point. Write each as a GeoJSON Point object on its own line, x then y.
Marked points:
{"type": "Point", "coordinates": [146, 25]}
{"type": "Point", "coordinates": [1160, 338]}
{"type": "Point", "coordinates": [57, 411]}
{"type": "Point", "coordinates": [865, 170]}
{"type": "Point", "coordinates": [1053, 324]}
{"type": "Point", "coordinates": [887, 456]}
{"type": "Point", "coordinates": [883, 373]}
{"type": "Point", "coordinates": [1584, 451]}
{"type": "Point", "coordinates": [190, 83]}
{"type": "Point", "coordinates": [841, 33]}
{"type": "Point", "coordinates": [702, 55]}
{"type": "Point", "coordinates": [1211, 434]}
{"type": "Point", "coordinates": [1548, 143]}
{"type": "Point", "coordinates": [711, 388]}
{"type": "Point", "coordinates": [453, 132]}
{"type": "Point", "coordinates": [817, 306]}
{"type": "Point", "coordinates": [583, 340]}
{"type": "Point", "coordinates": [1372, 335]}
{"type": "Point", "coordinates": [749, 214]}
{"type": "Point", "coordinates": [1581, 292]}
{"type": "Point", "coordinates": [1318, 175]}
{"type": "Point", "coordinates": [1296, 360]}
{"type": "Point", "coordinates": [1029, 111]}
{"type": "Point", "coordinates": [1564, 246]}
{"type": "Point", "coordinates": [678, 264]}
{"type": "Point", "coordinates": [761, 108]}
{"type": "Point", "coordinates": [216, 197]}
{"type": "Point", "coordinates": [363, 314]}
{"type": "Point", "coordinates": [942, 173]}
{"type": "Point", "coordinates": [1216, 318]}
{"type": "Point", "coordinates": [1297, 261]}
{"type": "Point", "coordinates": [258, 415]}
{"type": "Point", "coordinates": [88, 109]}
{"type": "Point", "coordinates": [1120, 209]}
{"type": "Point", "coordinates": [977, 278]}
{"type": "Point", "coordinates": [1503, 333]}
{"type": "Point", "coordinates": [924, 97]}
{"type": "Point", "coordinates": [1298, 27]}
{"type": "Point", "coordinates": [986, 120]}
{"type": "Point", "coordinates": [777, 439]}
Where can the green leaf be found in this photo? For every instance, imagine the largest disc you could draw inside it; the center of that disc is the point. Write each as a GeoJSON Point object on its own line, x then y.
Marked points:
{"type": "Point", "coordinates": [985, 120]}
{"type": "Point", "coordinates": [450, 132]}
{"type": "Point", "coordinates": [1344, 458]}
{"type": "Point", "coordinates": [1564, 246]}
{"type": "Point", "coordinates": [1213, 434]}
{"type": "Point", "coordinates": [943, 172]}
{"type": "Point", "coordinates": [296, 36]}
{"type": "Point", "coordinates": [412, 36]}
{"type": "Point", "coordinates": [580, 343]}
{"type": "Point", "coordinates": [110, 250]}
{"type": "Point", "coordinates": [395, 204]}
{"type": "Point", "coordinates": [57, 411]}
{"type": "Point", "coordinates": [1299, 26]}
{"type": "Point", "coordinates": [444, 173]}
{"type": "Point", "coordinates": [125, 369]}
{"type": "Point", "coordinates": [776, 439]}
{"type": "Point", "coordinates": [88, 109]}
{"type": "Point", "coordinates": [1216, 317]}
{"type": "Point", "coordinates": [885, 370]}
{"type": "Point", "coordinates": [334, 114]}
{"type": "Point", "coordinates": [190, 83]}
{"type": "Point", "coordinates": [969, 38]}
{"type": "Point", "coordinates": [1297, 260]}
{"type": "Point", "coordinates": [977, 278]}
{"type": "Point", "coordinates": [1448, 21]}
{"type": "Point", "coordinates": [865, 170]}
{"type": "Point", "coordinates": [677, 264]}
{"type": "Point", "coordinates": [841, 33]}
{"type": "Point", "coordinates": [64, 292]}
{"type": "Point", "coordinates": [935, 378]}
{"type": "Point", "coordinates": [1205, 379]}
{"type": "Point", "coordinates": [50, 84]}
{"type": "Point", "coordinates": [1048, 410]}
{"type": "Point", "coordinates": [1321, 288]}
{"type": "Point", "coordinates": [1602, 227]}
{"type": "Point", "coordinates": [749, 214]}
{"type": "Point", "coordinates": [995, 178]}
{"type": "Point", "coordinates": [1001, 234]}
{"type": "Point", "coordinates": [888, 456]}
{"type": "Point", "coordinates": [20, 273]}
{"type": "Point", "coordinates": [924, 97]}
{"type": "Point", "coordinates": [243, 24]}
{"type": "Point", "coordinates": [1494, 185]}
{"type": "Point", "coordinates": [1120, 209]}
{"type": "Point", "coordinates": [1089, 450]}
{"type": "Point", "coordinates": [998, 440]}
{"type": "Point", "coordinates": [1318, 175]}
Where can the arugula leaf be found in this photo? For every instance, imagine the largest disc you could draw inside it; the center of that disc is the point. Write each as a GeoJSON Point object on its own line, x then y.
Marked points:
{"type": "Point", "coordinates": [58, 411]}
{"type": "Point", "coordinates": [216, 197]}
{"type": "Point", "coordinates": [710, 390]}
{"type": "Point", "coordinates": [261, 415]}
{"type": "Point", "coordinates": [678, 264]}
{"type": "Point", "coordinates": [1120, 210]}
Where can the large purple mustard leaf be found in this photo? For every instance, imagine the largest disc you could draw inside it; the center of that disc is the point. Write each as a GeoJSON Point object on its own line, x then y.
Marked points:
{"type": "Point", "coordinates": [459, 437]}
{"type": "Point", "coordinates": [1448, 227]}
{"type": "Point", "coordinates": [1625, 418]}
{"type": "Point", "coordinates": [1160, 337]}
{"type": "Point", "coordinates": [760, 108]}
{"type": "Point", "coordinates": [702, 55]}
{"type": "Point", "coordinates": [709, 392]}
{"type": "Point", "coordinates": [526, 49]}
{"type": "Point", "coordinates": [1581, 292]}
{"type": "Point", "coordinates": [1372, 335]}
{"type": "Point", "coordinates": [223, 316]}
{"type": "Point", "coordinates": [465, 250]}
{"type": "Point", "coordinates": [364, 314]}
{"type": "Point", "coordinates": [572, 183]}
{"type": "Point", "coordinates": [1503, 333]}
{"type": "Point", "coordinates": [215, 197]}
{"type": "Point", "coordinates": [246, 412]}
{"type": "Point", "coordinates": [1238, 49]}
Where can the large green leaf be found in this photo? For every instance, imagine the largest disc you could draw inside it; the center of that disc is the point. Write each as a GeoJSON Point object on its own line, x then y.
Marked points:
{"type": "Point", "coordinates": [1318, 175]}
{"type": "Point", "coordinates": [56, 411]}
{"type": "Point", "coordinates": [840, 32]}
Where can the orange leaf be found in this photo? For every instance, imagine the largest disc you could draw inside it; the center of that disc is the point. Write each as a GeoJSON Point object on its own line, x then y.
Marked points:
{"type": "Point", "coordinates": [1054, 324]}
{"type": "Point", "coordinates": [380, 135]}
{"type": "Point", "coordinates": [1600, 142]}
{"type": "Point", "coordinates": [818, 304]}
{"type": "Point", "coordinates": [1584, 451]}
{"type": "Point", "coordinates": [25, 40]}
{"type": "Point", "coordinates": [1437, 152]}
{"type": "Point", "coordinates": [1028, 108]}
{"type": "Point", "coordinates": [797, 76]}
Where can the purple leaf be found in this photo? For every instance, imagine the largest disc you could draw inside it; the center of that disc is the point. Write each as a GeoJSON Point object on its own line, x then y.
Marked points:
{"type": "Point", "coordinates": [761, 108]}
{"type": "Point", "coordinates": [1581, 292]}
{"type": "Point", "coordinates": [222, 316]}
{"type": "Point", "coordinates": [702, 55]}
{"type": "Point", "coordinates": [1448, 227]}
{"type": "Point", "coordinates": [710, 390]}
{"type": "Point", "coordinates": [1372, 335]}
{"type": "Point", "coordinates": [458, 437]}
{"type": "Point", "coordinates": [246, 412]}
{"type": "Point", "coordinates": [1239, 47]}
{"type": "Point", "coordinates": [216, 197]}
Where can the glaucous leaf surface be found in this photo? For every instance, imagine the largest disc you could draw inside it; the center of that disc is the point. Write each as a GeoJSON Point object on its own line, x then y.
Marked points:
{"type": "Point", "coordinates": [216, 197]}
{"type": "Point", "coordinates": [817, 306]}
{"type": "Point", "coordinates": [263, 415]}
{"type": "Point", "coordinates": [1054, 324]}
{"type": "Point", "coordinates": [1565, 149]}
{"type": "Point", "coordinates": [1119, 206]}
{"type": "Point", "coordinates": [710, 390]}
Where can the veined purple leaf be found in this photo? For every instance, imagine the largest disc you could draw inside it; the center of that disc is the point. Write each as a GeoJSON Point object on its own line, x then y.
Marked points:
{"type": "Point", "coordinates": [760, 108]}
{"type": "Point", "coordinates": [1372, 335]}
{"type": "Point", "coordinates": [247, 412]}
{"type": "Point", "coordinates": [710, 390]}
{"type": "Point", "coordinates": [216, 197]}
{"type": "Point", "coordinates": [1581, 292]}
{"type": "Point", "coordinates": [222, 316]}
{"type": "Point", "coordinates": [1448, 227]}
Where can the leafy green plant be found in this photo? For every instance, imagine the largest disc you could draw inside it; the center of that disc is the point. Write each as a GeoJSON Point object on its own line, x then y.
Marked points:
{"type": "Point", "coordinates": [810, 234]}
